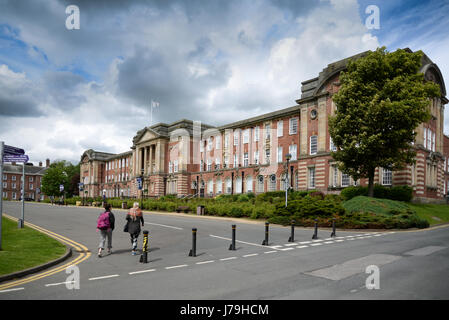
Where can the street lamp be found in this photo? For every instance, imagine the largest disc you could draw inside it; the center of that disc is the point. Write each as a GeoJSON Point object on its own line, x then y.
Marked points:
{"type": "Point", "coordinates": [288, 156]}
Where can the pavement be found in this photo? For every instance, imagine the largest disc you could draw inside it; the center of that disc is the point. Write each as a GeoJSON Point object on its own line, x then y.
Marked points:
{"type": "Point", "coordinates": [395, 264]}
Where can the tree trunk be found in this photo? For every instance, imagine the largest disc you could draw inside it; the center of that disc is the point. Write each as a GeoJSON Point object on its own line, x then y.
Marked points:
{"type": "Point", "coordinates": [371, 183]}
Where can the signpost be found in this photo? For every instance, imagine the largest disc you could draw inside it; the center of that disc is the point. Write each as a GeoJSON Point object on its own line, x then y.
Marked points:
{"type": "Point", "coordinates": [12, 154]}
{"type": "Point", "coordinates": [2, 147]}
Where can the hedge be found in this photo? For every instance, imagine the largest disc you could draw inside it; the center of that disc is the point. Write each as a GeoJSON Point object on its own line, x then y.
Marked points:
{"type": "Point", "coordinates": [398, 193]}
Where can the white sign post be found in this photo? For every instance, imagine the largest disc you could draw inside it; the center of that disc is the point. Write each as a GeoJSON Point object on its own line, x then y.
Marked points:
{"type": "Point", "coordinates": [1, 190]}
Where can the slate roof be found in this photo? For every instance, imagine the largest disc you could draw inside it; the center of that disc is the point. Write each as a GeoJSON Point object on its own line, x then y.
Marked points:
{"type": "Point", "coordinates": [29, 170]}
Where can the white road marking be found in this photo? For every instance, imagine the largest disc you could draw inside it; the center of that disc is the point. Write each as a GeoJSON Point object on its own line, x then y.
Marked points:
{"type": "Point", "coordinates": [252, 244]}
{"type": "Point", "coordinates": [105, 277]}
{"type": "Point", "coordinates": [339, 240]}
{"type": "Point", "coordinates": [316, 244]}
{"type": "Point", "coordinates": [305, 242]}
{"type": "Point", "coordinates": [230, 258]}
{"type": "Point", "coordinates": [57, 284]}
{"type": "Point", "coordinates": [290, 244]}
{"type": "Point", "coordinates": [317, 240]}
{"type": "Point", "coordinates": [9, 290]}
{"type": "Point", "coordinates": [250, 255]}
{"type": "Point", "coordinates": [287, 249]}
{"type": "Point", "coordinates": [328, 242]}
{"type": "Point", "coordinates": [271, 251]}
{"type": "Point", "coordinates": [142, 271]}
{"type": "Point", "coordinates": [174, 267]}
{"type": "Point", "coordinates": [300, 247]}
{"type": "Point", "coordinates": [204, 262]}
{"type": "Point", "coordinates": [163, 225]}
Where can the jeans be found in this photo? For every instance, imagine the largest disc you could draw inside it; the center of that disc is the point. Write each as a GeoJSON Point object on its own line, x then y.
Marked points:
{"type": "Point", "coordinates": [134, 240]}
{"type": "Point", "coordinates": [103, 235]}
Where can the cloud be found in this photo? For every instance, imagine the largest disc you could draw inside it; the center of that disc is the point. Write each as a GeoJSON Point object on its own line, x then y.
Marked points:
{"type": "Point", "coordinates": [17, 94]}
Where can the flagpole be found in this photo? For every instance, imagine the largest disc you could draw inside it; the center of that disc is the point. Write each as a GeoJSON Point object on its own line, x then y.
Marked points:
{"type": "Point", "coordinates": [151, 113]}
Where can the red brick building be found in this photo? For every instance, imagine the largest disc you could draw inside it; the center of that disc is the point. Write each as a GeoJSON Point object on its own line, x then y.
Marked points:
{"type": "Point", "coordinates": [12, 181]}
{"type": "Point", "coordinates": [189, 158]}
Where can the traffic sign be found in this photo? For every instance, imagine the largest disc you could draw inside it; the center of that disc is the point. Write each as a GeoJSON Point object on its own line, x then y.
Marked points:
{"type": "Point", "coordinates": [10, 150]}
{"type": "Point", "coordinates": [139, 183]}
{"type": "Point", "coordinates": [15, 158]}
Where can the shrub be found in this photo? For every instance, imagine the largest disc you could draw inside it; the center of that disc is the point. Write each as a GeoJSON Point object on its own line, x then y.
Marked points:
{"type": "Point", "coordinates": [243, 198]}
{"type": "Point", "coordinates": [352, 191]}
{"type": "Point", "coordinates": [401, 193]}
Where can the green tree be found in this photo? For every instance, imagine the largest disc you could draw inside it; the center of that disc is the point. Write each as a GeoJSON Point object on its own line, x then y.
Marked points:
{"type": "Point", "coordinates": [61, 172]}
{"type": "Point", "coordinates": [382, 100]}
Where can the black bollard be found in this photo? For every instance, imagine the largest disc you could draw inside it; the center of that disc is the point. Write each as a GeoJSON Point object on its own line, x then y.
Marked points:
{"type": "Point", "coordinates": [333, 234]}
{"type": "Point", "coordinates": [292, 236]}
{"type": "Point", "coordinates": [232, 246]}
{"type": "Point", "coordinates": [265, 242]}
{"type": "Point", "coordinates": [315, 235]}
{"type": "Point", "coordinates": [144, 256]}
{"type": "Point", "coordinates": [192, 252]}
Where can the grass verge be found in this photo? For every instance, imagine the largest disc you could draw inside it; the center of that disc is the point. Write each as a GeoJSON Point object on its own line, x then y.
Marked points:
{"type": "Point", "coordinates": [433, 213]}
{"type": "Point", "coordinates": [26, 248]}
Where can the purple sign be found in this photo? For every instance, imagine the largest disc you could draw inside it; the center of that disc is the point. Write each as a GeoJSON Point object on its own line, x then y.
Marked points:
{"type": "Point", "coordinates": [9, 150]}
{"type": "Point", "coordinates": [15, 158]}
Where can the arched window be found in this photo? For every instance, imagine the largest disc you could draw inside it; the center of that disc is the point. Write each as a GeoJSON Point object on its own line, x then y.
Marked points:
{"type": "Point", "coordinates": [218, 186]}
{"type": "Point", "coordinates": [228, 184]}
{"type": "Point", "coordinates": [272, 183]}
{"type": "Point", "coordinates": [238, 185]}
{"type": "Point", "coordinates": [210, 187]}
{"type": "Point", "coordinates": [260, 184]}
{"type": "Point", "coordinates": [249, 184]}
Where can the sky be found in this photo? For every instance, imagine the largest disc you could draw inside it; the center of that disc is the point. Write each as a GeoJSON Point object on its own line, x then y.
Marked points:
{"type": "Point", "coordinates": [63, 91]}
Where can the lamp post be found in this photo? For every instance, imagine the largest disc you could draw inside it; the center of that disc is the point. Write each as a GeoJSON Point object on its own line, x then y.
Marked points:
{"type": "Point", "coordinates": [288, 156]}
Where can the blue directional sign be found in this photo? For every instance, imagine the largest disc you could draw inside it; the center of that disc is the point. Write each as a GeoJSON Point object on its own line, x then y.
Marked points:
{"type": "Point", "coordinates": [10, 150]}
{"type": "Point", "coordinates": [139, 183]}
{"type": "Point", "coordinates": [15, 158]}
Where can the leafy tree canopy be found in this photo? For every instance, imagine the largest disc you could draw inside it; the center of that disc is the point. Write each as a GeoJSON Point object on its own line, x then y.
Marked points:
{"type": "Point", "coordinates": [382, 100]}
{"type": "Point", "coordinates": [61, 172]}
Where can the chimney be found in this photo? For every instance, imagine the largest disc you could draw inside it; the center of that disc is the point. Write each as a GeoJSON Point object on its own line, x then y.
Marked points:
{"type": "Point", "coordinates": [40, 163]}
{"type": "Point", "coordinates": [47, 163]}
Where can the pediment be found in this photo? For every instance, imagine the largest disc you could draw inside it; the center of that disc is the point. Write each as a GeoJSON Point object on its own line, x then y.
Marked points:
{"type": "Point", "coordinates": [146, 135]}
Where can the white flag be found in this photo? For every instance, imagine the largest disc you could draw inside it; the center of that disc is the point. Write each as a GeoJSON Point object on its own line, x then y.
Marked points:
{"type": "Point", "coordinates": [154, 104]}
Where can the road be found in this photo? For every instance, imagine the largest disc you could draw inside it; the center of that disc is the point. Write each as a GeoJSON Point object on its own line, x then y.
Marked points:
{"type": "Point", "coordinates": [411, 265]}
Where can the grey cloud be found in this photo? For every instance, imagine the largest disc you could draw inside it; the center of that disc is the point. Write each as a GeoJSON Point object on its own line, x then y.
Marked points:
{"type": "Point", "coordinates": [62, 88]}
{"type": "Point", "coordinates": [149, 74]}
{"type": "Point", "coordinates": [297, 7]}
{"type": "Point", "coordinates": [18, 106]}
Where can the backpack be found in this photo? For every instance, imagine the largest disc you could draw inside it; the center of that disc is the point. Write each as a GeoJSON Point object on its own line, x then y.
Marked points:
{"type": "Point", "coordinates": [103, 221]}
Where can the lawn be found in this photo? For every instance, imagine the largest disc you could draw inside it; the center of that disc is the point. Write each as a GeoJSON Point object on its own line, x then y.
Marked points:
{"type": "Point", "coordinates": [431, 211]}
{"type": "Point", "coordinates": [26, 248]}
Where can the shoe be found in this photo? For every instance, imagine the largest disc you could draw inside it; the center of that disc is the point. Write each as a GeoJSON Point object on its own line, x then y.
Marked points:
{"type": "Point", "coordinates": [134, 253]}
{"type": "Point", "coordinates": [99, 253]}
{"type": "Point", "coordinates": [110, 251]}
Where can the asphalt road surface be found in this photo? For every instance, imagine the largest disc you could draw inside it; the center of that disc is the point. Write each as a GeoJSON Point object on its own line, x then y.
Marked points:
{"type": "Point", "coordinates": [409, 265]}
